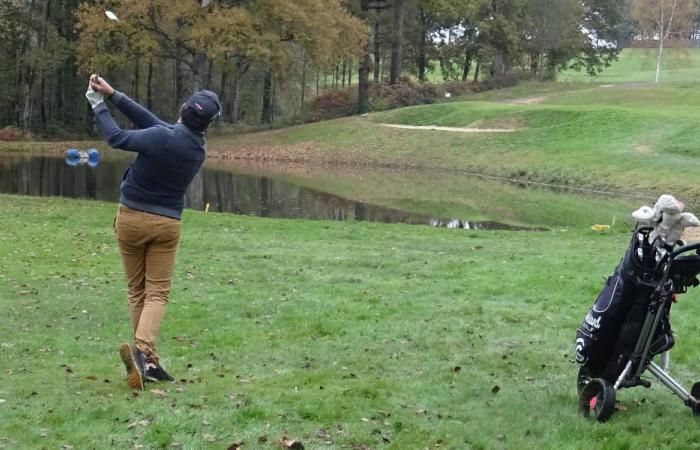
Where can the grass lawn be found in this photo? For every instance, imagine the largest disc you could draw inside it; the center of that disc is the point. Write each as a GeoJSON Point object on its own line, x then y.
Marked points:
{"type": "Point", "coordinates": [637, 140]}
{"type": "Point", "coordinates": [341, 335]}
{"type": "Point", "coordinates": [636, 65]}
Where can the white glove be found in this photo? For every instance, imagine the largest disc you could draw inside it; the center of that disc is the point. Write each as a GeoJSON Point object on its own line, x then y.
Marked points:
{"type": "Point", "coordinates": [94, 97]}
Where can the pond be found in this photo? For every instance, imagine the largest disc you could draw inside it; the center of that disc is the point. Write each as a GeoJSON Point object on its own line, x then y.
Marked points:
{"type": "Point", "coordinates": [223, 190]}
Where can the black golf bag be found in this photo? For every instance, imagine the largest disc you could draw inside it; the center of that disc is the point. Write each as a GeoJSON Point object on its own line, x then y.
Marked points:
{"type": "Point", "coordinates": [608, 333]}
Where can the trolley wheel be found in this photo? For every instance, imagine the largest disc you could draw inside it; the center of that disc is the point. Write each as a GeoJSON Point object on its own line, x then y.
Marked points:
{"type": "Point", "coordinates": [695, 393]}
{"type": "Point", "coordinates": [597, 399]}
{"type": "Point", "coordinates": [582, 379]}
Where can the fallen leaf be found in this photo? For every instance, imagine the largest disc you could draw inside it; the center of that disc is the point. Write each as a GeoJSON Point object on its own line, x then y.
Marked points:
{"type": "Point", "coordinates": [235, 446]}
{"type": "Point", "coordinates": [159, 393]}
{"type": "Point", "coordinates": [43, 432]}
{"type": "Point", "coordinates": [205, 422]}
{"type": "Point", "coordinates": [139, 423]}
{"type": "Point", "coordinates": [495, 389]}
{"type": "Point", "coordinates": [208, 437]}
{"type": "Point", "coordinates": [66, 447]}
{"type": "Point", "coordinates": [620, 407]}
{"type": "Point", "coordinates": [289, 443]}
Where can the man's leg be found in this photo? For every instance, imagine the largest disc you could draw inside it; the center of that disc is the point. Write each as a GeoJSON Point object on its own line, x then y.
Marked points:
{"type": "Point", "coordinates": [132, 241]}
{"type": "Point", "coordinates": [132, 247]}
{"type": "Point", "coordinates": [160, 263]}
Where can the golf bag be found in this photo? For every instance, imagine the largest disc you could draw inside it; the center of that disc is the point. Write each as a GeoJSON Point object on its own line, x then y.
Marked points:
{"type": "Point", "coordinates": [610, 329]}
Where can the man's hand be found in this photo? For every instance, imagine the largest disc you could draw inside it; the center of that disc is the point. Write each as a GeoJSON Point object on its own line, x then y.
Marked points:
{"type": "Point", "coordinates": [98, 84]}
{"type": "Point", "coordinates": [95, 98]}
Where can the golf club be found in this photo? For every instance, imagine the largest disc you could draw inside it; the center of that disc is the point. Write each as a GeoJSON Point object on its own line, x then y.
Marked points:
{"type": "Point", "coordinates": [111, 16]}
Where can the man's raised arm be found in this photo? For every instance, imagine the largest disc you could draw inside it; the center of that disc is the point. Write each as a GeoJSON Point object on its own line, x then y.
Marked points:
{"type": "Point", "coordinates": [140, 116]}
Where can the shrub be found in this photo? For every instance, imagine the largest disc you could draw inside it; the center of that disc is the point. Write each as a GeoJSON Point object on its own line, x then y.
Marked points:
{"type": "Point", "coordinates": [341, 103]}
{"type": "Point", "coordinates": [334, 104]}
{"type": "Point", "coordinates": [13, 134]}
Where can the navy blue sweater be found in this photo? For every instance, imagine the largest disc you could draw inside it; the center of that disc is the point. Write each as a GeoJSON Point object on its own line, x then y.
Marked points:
{"type": "Point", "coordinates": [169, 157]}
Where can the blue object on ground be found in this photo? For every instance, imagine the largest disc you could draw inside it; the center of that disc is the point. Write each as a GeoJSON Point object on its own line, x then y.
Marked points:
{"type": "Point", "coordinates": [72, 153]}
{"type": "Point", "coordinates": [72, 161]}
{"type": "Point", "coordinates": [93, 157]}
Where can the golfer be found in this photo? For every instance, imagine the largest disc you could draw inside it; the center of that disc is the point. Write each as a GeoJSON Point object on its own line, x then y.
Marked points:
{"type": "Point", "coordinates": [147, 225]}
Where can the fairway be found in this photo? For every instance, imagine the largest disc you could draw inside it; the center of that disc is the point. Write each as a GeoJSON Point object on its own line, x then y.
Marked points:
{"type": "Point", "coordinates": [638, 65]}
{"type": "Point", "coordinates": [340, 335]}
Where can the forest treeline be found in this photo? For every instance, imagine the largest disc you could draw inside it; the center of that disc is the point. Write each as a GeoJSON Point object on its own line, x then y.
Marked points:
{"type": "Point", "coordinates": [269, 59]}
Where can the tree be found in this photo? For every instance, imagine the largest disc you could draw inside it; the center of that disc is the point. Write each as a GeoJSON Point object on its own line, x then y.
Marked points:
{"type": "Point", "coordinates": [229, 36]}
{"type": "Point", "coordinates": [397, 41]}
{"type": "Point", "coordinates": [554, 27]}
{"type": "Point", "coordinates": [663, 20]}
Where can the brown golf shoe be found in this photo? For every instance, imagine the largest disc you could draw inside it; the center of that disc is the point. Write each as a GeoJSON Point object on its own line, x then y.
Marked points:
{"type": "Point", "coordinates": [134, 361]}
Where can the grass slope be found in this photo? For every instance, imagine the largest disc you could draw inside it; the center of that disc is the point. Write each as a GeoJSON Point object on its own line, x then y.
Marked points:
{"type": "Point", "coordinates": [636, 65]}
{"type": "Point", "coordinates": [342, 335]}
{"type": "Point", "coordinates": [640, 140]}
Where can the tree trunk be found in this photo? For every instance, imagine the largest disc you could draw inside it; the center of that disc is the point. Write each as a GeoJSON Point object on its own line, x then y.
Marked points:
{"type": "Point", "coordinates": [303, 81]}
{"type": "Point", "coordinates": [137, 78]}
{"type": "Point", "coordinates": [236, 99]}
{"type": "Point", "coordinates": [210, 74]}
{"type": "Point", "coordinates": [149, 86]}
{"type": "Point", "coordinates": [422, 44]}
{"type": "Point", "coordinates": [44, 38]}
{"type": "Point", "coordinates": [363, 79]}
{"type": "Point", "coordinates": [377, 53]}
{"type": "Point", "coordinates": [199, 63]}
{"type": "Point", "coordinates": [226, 99]}
{"type": "Point", "coordinates": [467, 64]}
{"type": "Point", "coordinates": [267, 98]}
{"type": "Point", "coordinates": [497, 65]}
{"type": "Point", "coordinates": [363, 83]}
{"type": "Point", "coordinates": [658, 58]}
{"type": "Point", "coordinates": [476, 70]}
{"type": "Point", "coordinates": [397, 43]}
{"type": "Point", "coordinates": [178, 83]}
{"type": "Point", "coordinates": [344, 69]}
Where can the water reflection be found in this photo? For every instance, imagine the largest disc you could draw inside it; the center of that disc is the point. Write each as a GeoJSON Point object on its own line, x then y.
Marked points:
{"type": "Point", "coordinates": [224, 192]}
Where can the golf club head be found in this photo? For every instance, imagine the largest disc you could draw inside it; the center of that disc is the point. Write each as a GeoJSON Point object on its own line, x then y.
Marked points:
{"type": "Point", "coordinates": [111, 16]}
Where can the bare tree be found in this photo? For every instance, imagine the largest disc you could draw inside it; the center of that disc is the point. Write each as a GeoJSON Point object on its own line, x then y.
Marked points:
{"type": "Point", "coordinates": [663, 20]}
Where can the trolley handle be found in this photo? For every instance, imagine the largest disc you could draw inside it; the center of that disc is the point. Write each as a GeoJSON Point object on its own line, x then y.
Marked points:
{"type": "Point", "coordinates": [684, 249]}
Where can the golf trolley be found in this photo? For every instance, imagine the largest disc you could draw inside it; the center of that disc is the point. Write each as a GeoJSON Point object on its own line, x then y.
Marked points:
{"type": "Point", "coordinates": [629, 324]}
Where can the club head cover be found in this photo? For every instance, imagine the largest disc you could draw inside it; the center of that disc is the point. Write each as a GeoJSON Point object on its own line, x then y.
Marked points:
{"type": "Point", "coordinates": [668, 204]}
{"type": "Point", "coordinates": [646, 215]}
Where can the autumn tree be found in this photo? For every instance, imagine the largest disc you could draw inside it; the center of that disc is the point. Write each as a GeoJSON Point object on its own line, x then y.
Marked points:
{"type": "Point", "coordinates": [225, 36]}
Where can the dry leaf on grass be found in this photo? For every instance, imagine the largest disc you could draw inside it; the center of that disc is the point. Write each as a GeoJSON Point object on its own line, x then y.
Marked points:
{"type": "Point", "coordinates": [139, 423]}
{"type": "Point", "coordinates": [209, 437]}
{"type": "Point", "coordinates": [289, 443]}
{"type": "Point", "coordinates": [159, 393]}
{"type": "Point", "coordinates": [235, 446]}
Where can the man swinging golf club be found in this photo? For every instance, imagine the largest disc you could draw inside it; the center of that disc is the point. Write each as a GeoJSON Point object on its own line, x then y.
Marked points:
{"type": "Point", "coordinates": [147, 224]}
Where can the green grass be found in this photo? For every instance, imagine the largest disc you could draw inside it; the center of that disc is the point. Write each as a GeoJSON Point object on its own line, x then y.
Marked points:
{"type": "Point", "coordinates": [385, 336]}
{"type": "Point", "coordinates": [636, 65]}
{"type": "Point", "coordinates": [636, 140]}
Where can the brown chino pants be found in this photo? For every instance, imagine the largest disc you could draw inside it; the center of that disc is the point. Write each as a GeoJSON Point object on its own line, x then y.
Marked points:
{"type": "Point", "coordinates": [148, 245]}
